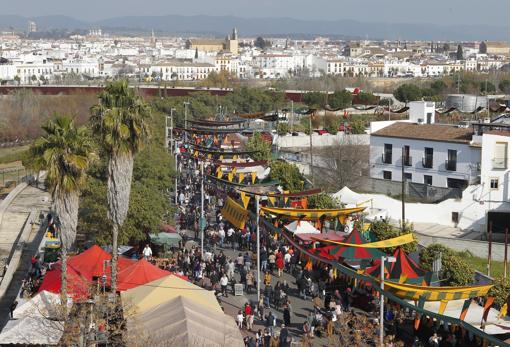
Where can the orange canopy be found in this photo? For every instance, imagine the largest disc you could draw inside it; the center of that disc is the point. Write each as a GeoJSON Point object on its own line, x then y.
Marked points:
{"type": "Point", "coordinates": [77, 286]}
{"type": "Point", "coordinates": [90, 263]}
{"type": "Point", "coordinates": [139, 273]}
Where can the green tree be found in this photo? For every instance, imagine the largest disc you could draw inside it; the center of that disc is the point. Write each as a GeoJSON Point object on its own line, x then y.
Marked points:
{"type": "Point", "coordinates": [261, 43]}
{"type": "Point", "coordinates": [288, 174]}
{"type": "Point", "coordinates": [283, 129]}
{"type": "Point", "coordinates": [504, 86]}
{"type": "Point", "coordinates": [500, 291]}
{"type": "Point", "coordinates": [366, 98]}
{"type": "Point", "coordinates": [222, 79]}
{"type": "Point", "coordinates": [455, 271]}
{"type": "Point", "coordinates": [331, 123]}
{"type": "Point", "coordinates": [315, 99]}
{"type": "Point", "coordinates": [487, 87]}
{"type": "Point", "coordinates": [438, 86]}
{"type": "Point", "coordinates": [65, 152]}
{"type": "Point", "coordinates": [322, 201]}
{"type": "Point", "coordinates": [408, 92]}
{"type": "Point", "coordinates": [261, 147]}
{"type": "Point", "coordinates": [340, 99]}
{"type": "Point", "coordinates": [460, 53]}
{"type": "Point", "coordinates": [120, 119]}
{"type": "Point", "coordinates": [384, 230]}
{"type": "Point", "coordinates": [358, 126]}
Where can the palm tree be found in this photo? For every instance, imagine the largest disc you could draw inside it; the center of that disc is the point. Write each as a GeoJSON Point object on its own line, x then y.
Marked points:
{"type": "Point", "coordinates": [120, 119]}
{"type": "Point", "coordinates": [65, 152]}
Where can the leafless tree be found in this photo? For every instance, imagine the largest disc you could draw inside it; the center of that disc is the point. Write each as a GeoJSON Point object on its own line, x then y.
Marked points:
{"type": "Point", "coordinates": [343, 164]}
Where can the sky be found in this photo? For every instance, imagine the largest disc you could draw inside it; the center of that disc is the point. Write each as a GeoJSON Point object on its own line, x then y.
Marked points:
{"type": "Point", "coordinates": [447, 12]}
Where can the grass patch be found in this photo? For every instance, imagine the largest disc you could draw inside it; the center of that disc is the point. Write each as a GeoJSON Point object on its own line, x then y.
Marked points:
{"type": "Point", "coordinates": [480, 264]}
{"type": "Point", "coordinates": [13, 154]}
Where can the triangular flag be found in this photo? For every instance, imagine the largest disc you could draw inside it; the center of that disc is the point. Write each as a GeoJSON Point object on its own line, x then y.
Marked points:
{"type": "Point", "coordinates": [241, 177]}
{"type": "Point", "coordinates": [486, 307]}
{"type": "Point", "coordinates": [403, 278]}
{"type": "Point", "coordinates": [219, 172]}
{"type": "Point", "coordinates": [230, 176]}
{"type": "Point", "coordinates": [503, 311]}
{"type": "Point", "coordinates": [209, 156]}
{"type": "Point", "coordinates": [286, 198]}
{"type": "Point", "coordinates": [221, 157]}
{"type": "Point", "coordinates": [465, 309]}
{"type": "Point", "coordinates": [234, 170]}
{"type": "Point", "coordinates": [253, 177]}
{"type": "Point", "coordinates": [234, 157]}
{"type": "Point", "coordinates": [442, 306]}
{"type": "Point", "coordinates": [246, 200]}
{"type": "Point", "coordinates": [272, 199]}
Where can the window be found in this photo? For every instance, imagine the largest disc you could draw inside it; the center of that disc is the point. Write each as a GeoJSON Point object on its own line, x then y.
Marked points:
{"type": "Point", "coordinates": [494, 183]}
{"type": "Point", "coordinates": [429, 117]}
{"type": "Point", "coordinates": [407, 158]}
{"type": "Point", "coordinates": [500, 156]}
{"type": "Point", "coordinates": [428, 158]}
{"type": "Point", "coordinates": [427, 179]}
{"type": "Point", "coordinates": [408, 176]}
{"type": "Point", "coordinates": [388, 150]}
{"type": "Point", "coordinates": [451, 163]}
{"type": "Point", "coordinates": [387, 175]}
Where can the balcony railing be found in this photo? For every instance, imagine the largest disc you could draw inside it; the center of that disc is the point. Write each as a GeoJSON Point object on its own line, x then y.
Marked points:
{"type": "Point", "coordinates": [408, 161]}
{"type": "Point", "coordinates": [426, 162]}
{"type": "Point", "coordinates": [499, 163]}
{"type": "Point", "coordinates": [450, 165]}
{"type": "Point", "coordinates": [386, 158]}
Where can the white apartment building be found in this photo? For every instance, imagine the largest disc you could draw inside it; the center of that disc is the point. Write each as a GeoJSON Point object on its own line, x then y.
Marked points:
{"type": "Point", "coordinates": [436, 155]}
{"type": "Point", "coordinates": [180, 70]}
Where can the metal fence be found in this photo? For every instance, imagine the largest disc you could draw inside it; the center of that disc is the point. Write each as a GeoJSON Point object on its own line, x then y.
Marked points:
{"type": "Point", "coordinates": [12, 176]}
{"type": "Point", "coordinates": [417, 191]}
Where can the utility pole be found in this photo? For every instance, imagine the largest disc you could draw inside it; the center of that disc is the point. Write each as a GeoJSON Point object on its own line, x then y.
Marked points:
{"type": "Point", "coordinates": [311, 146]}
{"type": "Point", "coordinates": [381, 305]}
{"type": "Point", "coordinates": [291, 116]}
{"type": "Point", "coordinates": [403, 190]}
{"type": "Point", "coordinates": [257, 200]}
{"type": "Point", "coordinates": [171, 130]}
{"type": "Point", "coordinates": [505, 265]}
{"type": "Point", "coordinates": [489, 260]}
{"type": "Point", "coordinates": [186, 104]}
{"type": "Point", "coordinates": [202, 217]}
{"type": "Point", "coordinates": [176, 175]}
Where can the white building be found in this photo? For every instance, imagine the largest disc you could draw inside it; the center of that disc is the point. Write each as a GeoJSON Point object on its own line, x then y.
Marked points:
{"type": "Point", "coordinates": [422, 112]}
{"type": "Point", "coordinates": [431, 154]}
{"type": "Point", "coordinates": [181, 70]}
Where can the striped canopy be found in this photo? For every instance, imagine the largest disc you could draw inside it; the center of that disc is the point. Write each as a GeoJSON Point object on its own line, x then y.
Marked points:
{"type": "Point", "coordinates": [351, 253]}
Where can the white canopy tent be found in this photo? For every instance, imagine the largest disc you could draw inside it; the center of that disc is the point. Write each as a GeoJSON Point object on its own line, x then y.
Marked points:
{"type": "Point", "coordinates": [32, 331]}
{"type": "Point", "coordinates": [43, 305]}
{"type": "Point", "coordinates": [302, 227]}
{"type": "Point", "coordinates": [184, 322]}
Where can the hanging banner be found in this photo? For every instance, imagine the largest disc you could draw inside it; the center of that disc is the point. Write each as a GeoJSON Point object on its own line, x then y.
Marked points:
{"type": "Point", "coordinates": [219, 173]}
{"type": "Point", "coordinates": [286, 198]}
{"type": "Point", "coordinates": [234, 213]}
{"type": "Point", "coordinates": [486, 308]}
{"type": "Point", "coordinates": [230, 176]}
{"type": "Point", "coordinates": [465, 308]}
{"type": "Point", "coordinates": [311, 214]}
{"type": "Point", "coordinates": [394, 242]}
{"type": "Point", "coordinates": [253, 177]}
{"type": "Point", "coordinates": [234, 171]}
{"type": "Point", "coordinates": [272, 199]}
{"type": "Point", "coordinates": [412, 292]}
{"type": "Point", "coordinates": [241, 177]}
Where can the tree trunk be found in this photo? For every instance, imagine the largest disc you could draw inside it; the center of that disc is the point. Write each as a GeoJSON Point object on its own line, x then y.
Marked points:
{"type": "Point", "coordinates": [120, 173]}
{"type": "Point", "coordinates": [65, 207]}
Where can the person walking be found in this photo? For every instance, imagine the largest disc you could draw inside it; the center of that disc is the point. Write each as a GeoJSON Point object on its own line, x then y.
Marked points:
{"type": "Point", "coordinates": [249, 281]}
{"type": "Point", "coordinates": [286, 315]}
{"type": "Point", "coordinates": [240, 319]}
{"type": "Point", "coordinates": [224, 284]}
{"type": "Point", "coordinates": [147, 253]}
{"type": "Point", "coordinates": [280, 264]}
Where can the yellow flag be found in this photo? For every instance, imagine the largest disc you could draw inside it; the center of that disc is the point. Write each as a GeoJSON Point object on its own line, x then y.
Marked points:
{"type": "Point", "coordinates": [196, 154]}
{"type": "Point", "coordinates": [221, 157]}
{"type": "Point", "coordinates": [246, 200]}
{"type": "Point", "coordinates": [286, 198]}
{"type": "Point", "coordinates": [442, 306]}
{"type": "Point", "coordinates": [234, 170]}
{"type": "Point", "coordinates": [219, 172]}
{"type": "Point", "coordinates": [253, 177]}
{"type": "Point", "coordinates": [241, 177]}
{"type": "Point", "coordinates": [234, 157]}
{"type": "Point", "coordinates": [230, 176]}
{"type": "Point", "coordinates": [503, 311]}
{"type": "Point", "coordinates": [272, 199]}
{"type": "Point", "coordinates": [209, 156]}
{"type": "Point", "coordinates": [402, 278]}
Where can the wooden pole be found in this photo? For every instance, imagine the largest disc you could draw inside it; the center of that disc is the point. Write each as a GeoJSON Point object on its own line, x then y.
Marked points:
{"type": "Point", "coordinates": [505, 264]}
{"type": "Point", "coordinates": [489, 261]}
{"type": "Point", "coordinates": [403, 192]}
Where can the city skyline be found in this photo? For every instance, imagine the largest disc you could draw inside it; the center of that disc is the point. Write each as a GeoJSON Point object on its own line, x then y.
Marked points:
{"type": "Point", "coordinates": [455, 12]}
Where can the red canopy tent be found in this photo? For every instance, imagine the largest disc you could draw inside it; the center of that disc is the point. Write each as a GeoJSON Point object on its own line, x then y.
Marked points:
{"type": "Point", "coordinates": [77, 286]}
{"type": "Point", "coordinates": [139, 273]}
{"type": "Point", "coordinates": [90, 263]}
{"type": "Point", "coordinates": [403, 266]}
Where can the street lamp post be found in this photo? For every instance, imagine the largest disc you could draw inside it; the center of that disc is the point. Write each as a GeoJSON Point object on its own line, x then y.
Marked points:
{"type": "Point", "coordinates": [186, 104]}
{"type": "Point", "coordinates": [202, 219]}
{"type": "Point", "coordinates": [171, 130]}
{"type": "Point", "coordinates": [381, 316]}
{"type": "Point", "coordinates": [257, 200]}
{"type": "Point", "coordinates": [176, 175]}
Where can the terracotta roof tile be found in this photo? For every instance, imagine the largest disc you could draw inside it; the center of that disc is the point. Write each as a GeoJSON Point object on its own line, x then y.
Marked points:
{"type": "Point", "coordinates": [431, 132]}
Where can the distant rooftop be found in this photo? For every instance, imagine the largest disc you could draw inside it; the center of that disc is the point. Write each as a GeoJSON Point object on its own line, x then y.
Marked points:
{"type": "Point", "coordinates": [430, 132]}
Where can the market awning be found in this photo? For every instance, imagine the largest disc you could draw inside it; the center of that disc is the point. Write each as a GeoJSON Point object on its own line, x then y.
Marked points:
{"type": "Point", "coordinates": [166, 239]}
{"type": "Point", "coordinates": [354, 253]}
{"type": "Point", "coordinates": [91, 263]}
{"type": "Point", "coordinates": [302, 227]}
{"type": "Point", "coordinates": [216, 123]}
{"type": "Point", "coordinates": [78, 286]}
